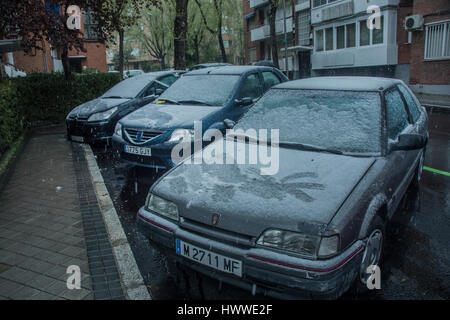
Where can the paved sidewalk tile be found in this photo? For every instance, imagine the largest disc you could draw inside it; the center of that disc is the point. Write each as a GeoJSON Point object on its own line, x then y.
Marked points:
{"type": "Point", "coordinates": [44, 228]}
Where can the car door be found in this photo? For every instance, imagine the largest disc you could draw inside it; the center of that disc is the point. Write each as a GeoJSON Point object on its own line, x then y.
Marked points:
{"type": "Point", "coordinates": [250, 87]}
{"type": "Point", "coordinates": [400, 162]}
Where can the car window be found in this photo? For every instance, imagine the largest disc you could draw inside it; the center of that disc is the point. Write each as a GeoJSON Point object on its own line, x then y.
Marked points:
{"type": "Point", "coordinates": [215, 90]}
{"type": "Point", "coordinates": [169, 80]}
{"type": "Point", "coordinates": [128, 88]}
{"type": "Point", "coordinates": [345, 121]}
{"type": "Point", "coordinates": [397, 118]}
{"type": "Point", "coordinates": [152, 89]}
{"type": "Point", "coordinates": [411, 103]}
{"type": "Point", "coordinates": [270, 80]}
{"type": "Point", "coordinates": [250, 87]}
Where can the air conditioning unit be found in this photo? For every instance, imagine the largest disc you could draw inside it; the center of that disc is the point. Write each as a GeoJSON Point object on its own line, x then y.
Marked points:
{"type": "Point", "coordinates": [414, 22]}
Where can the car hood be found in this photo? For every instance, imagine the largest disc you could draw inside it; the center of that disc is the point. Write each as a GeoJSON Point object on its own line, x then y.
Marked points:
{"type": "Point", "coordinates": [87, 109]}
{"type": "Point", "coordinates": [154, 116]}
{"type": "Point", "coordinates": [303, 196]}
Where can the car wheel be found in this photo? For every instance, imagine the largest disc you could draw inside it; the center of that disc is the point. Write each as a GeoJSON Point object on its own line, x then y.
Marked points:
{"type": "Point", "coordinates": [372, 254]}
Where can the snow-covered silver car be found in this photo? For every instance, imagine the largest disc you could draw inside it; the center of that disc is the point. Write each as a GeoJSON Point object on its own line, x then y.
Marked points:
{"type": "Point", "coordinates": [349, 149]}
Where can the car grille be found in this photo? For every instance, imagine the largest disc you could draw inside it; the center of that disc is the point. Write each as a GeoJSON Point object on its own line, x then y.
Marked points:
{"type": "Point", "coordinates": [141, 136]}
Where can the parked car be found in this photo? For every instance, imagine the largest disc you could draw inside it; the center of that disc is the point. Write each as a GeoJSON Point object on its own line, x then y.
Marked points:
{"type": "Point", "coordinates": [209, 65]}
{"type": "Point", "coordinates": [147, 136]}
{"type": "Point", "coordinates": [132, 73]}
{"type": "Point", "coordinates": [94, 121]}
{"type": "Point", "coordinates": [349, 148]}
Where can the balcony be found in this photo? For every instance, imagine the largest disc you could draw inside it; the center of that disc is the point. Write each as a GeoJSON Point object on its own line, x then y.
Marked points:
{"type": "Point", "coordinates": [263, 32]}
{"type": "Point", "coordinates": [258, 3]}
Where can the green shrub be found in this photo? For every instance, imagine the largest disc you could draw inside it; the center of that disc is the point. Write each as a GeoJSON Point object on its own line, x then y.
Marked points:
{"type": "Point", "coordinates": [45, 98]}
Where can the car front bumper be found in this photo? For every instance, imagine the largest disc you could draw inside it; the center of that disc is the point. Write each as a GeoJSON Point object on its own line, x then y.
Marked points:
{"type": "Point", "coordinates": [263, 271]}
{"type": "Point", "coordinates": [90, 132]}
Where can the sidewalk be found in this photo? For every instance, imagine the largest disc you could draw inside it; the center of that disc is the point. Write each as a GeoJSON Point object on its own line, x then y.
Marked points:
{"type": "Point", "coordinates": [50, 220]}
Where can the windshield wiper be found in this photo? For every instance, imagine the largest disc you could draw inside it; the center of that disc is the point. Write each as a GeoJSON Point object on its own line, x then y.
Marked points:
{"type": "Point", "coordinates": [115, 97]}
{"type": "Point", "coordinates": [162, 101]}
{"type": "Point", "coordinates": [307, 147]}
{"type": "Point", "coordinates": [195, 102]}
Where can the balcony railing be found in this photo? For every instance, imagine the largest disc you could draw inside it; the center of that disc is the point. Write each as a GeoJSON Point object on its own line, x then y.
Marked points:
{"type": "Point", "coordinates": [257, 3]}
{"type": "Point", "coordinates": [263, 32]}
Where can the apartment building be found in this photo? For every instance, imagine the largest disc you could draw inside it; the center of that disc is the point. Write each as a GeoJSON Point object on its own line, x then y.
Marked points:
{"type": "Point", "coordinates": [298, 31]}
{"type": "Point", "coordinates": [49, 59]}
{"type": "Point", "coordinates": [424, 49]}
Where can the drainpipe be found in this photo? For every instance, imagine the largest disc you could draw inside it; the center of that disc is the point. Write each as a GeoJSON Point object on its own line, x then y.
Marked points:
{"type": "Point", "coordinates": [285, 39]}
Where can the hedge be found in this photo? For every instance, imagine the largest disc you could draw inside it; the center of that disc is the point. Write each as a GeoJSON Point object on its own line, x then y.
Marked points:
{"type": "Point", "coordinates": [45, 98]}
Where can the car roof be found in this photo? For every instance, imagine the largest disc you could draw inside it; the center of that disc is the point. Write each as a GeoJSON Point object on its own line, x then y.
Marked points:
{"type": "Point", "coordinates": [225, 70]}
{"type": "Point", "coordinates": [341, 83]}
{"type": "Point", "coordinates": [152, 75]}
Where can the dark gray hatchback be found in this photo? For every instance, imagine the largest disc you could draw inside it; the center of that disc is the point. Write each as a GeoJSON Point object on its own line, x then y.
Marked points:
{"type": "Point", "coordinates": [349, 148]}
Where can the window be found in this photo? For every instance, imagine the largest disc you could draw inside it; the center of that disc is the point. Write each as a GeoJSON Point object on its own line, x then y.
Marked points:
{"type": "Point", "coordinates": [168, 80]}
{"type": "Point", "coordinates": [252, 55]}
{"type": "Point", "coordinates": [351, 35]}
{"type": "Point", "coordinates": [319, 40]}
{"type": "Point", "coordinates": [340, 37]}
{"type": "Point", "coordinates": [152, 89]}
{"type": "Point", "coordinates": [304, 27]}
{"type": "Point", "coordinates": [329, 39]}
{"type": "Point", "coordinates": [270, 80]}
{"type": "Point", "coordinates": [411, 103]}
{"type": "Point", "coordinates": [378, 33]}
{"type": "Point", "coordinates": [437, 41]}
{"type": "Point", "coordinates": [397, 118]}
{"type": "Point", "coordinates": [250, 87]}
{"type": "Point", "coordinates": [317, 3]}
{"type": "Point", "coordinates": [90, 26]}
{"type": "Point", "coordinates": [364, 33]}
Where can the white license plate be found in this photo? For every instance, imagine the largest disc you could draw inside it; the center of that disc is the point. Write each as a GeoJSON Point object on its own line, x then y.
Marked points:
{"type": "Point", "coordinates": [77, 138]}
{"type": "Point", "coordinates": [138, 150]}
{"type": "Point", "coordinates": [209, 258]}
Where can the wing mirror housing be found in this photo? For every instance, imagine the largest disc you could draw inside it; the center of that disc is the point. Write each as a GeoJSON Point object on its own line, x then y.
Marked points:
{"type": "Point", "coordinates": [159, 92]}
{"type": "Point", "coordinates": [244, 102]}
{"type": "Point", "coordinates": [410, 142]}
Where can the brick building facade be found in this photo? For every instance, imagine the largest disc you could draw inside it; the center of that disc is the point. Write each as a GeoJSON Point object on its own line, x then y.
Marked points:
{"type": "Point", "coordinates": [49, 60]}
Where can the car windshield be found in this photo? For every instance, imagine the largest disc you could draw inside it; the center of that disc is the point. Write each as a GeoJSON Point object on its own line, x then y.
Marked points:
{"type": "Point", "coordinates": [213, 90]}
{"type": "Point", "coordinates": [128, 89]}
{"type": "Point", "coordinates": [340, 121]}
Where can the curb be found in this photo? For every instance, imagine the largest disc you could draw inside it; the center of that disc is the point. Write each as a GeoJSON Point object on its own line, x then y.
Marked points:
{"type": "Point", "coordinates": [131, 278]}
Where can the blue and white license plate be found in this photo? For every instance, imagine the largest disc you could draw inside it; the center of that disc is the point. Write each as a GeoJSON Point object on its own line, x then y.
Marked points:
{"type": "Point", "coordinates": [208, 258]}
{"type": "Point", "coordinates": [141, 151]}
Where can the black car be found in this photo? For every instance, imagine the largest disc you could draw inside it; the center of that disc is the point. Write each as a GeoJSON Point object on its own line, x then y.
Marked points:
{"type": "Point", "coordinates": [94, 121]}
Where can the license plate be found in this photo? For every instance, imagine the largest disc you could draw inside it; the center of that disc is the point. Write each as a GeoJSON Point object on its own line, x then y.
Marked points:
{"type": "Point", "coordinates": [208, 258]}
{"type": "Point", "coordinates": [138, 150]}
{"type": "Point", "coordinates": [77, 138]}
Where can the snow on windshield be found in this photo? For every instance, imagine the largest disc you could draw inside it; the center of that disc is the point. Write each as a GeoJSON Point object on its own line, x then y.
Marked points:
{"type": "Point", "coordinates": [345, 121]}
{"type": "Point", "coordinates": [128, 88]}
{"type": "Point", "coordinates": [211, 89]}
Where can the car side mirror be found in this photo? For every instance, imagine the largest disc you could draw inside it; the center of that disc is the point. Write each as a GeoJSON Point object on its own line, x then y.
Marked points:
{"type": "Point", "coordinates": [159, 92]}
{"type": "Point", "coordinates": [409, 142]}
{"type": "Point", "coordinates": [229, 124]}
{"type": "Point", "coordinates": [244, 102]}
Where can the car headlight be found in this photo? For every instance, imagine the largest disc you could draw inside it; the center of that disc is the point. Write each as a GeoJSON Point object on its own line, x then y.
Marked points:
{"type": "Point", "coordinates": [100, 116]}
{"type": "Point", "coordinates": [118, 129]}
{"type": "Point", "coordinates": [182, 135]}
{"type": "Point", "coordinates": [303, 244]}
{"type": "Point", "coordinates": [163, 207]}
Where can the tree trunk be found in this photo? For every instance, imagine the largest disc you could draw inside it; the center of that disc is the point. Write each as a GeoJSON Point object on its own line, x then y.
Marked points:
{"type": "Point", "coordinates": [180, 31]}
{"type": "Point", "coordinates": [222, 47]}
{"type": "Point", "coordinates": [66, 64]}
{"type": "Point", "coordinates": [273, 35]}
{"type": "Point", "coordinates": [162, 63]}
{"type": "Point", "coordinates": [121, 36]}
{"type": "Point", "coordinates": [196, 50]}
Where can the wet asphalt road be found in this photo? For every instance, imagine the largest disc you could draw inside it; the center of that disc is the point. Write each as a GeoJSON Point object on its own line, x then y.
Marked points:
{"type": "Point", "coordinates": [416, 261]}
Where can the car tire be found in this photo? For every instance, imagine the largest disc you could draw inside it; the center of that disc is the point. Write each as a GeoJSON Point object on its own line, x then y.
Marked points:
{"type": "Point", "coordinates": [372, 254]}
